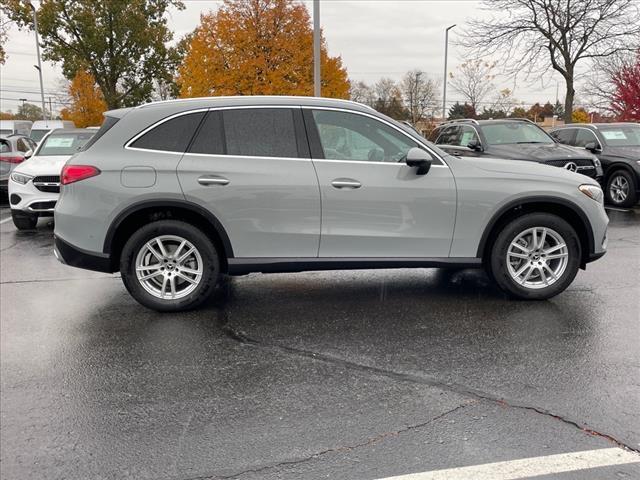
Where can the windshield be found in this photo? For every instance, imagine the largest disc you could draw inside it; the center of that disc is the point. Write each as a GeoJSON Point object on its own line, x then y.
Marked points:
{"type": "Point", "coordinates": [513, 133]}
{"type": "Point", "coordinates": [622, 135]}
{"type": "Point", "coordinates": [64, 143]}
{"type": "Point", "coordinates": [36, 135]}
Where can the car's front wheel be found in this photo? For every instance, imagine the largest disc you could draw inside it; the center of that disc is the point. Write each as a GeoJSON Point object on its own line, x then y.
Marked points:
{"type": "Point", "coordinates": [621, 190]}
{"type": "Point", "coordinates": [170, 266]}
{"type": "Point", "coordinates": [23, 220]}
{"type": "Point", "coordinates": [535, 256]}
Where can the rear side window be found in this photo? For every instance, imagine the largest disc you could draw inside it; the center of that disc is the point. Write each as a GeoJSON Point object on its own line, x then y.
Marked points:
{"type": "Point", "coordinates": [260, 132]}
{"type": "Point", "coordinates": [210, 137]}
{"type": "Point", "coordinates": [106, 126]}
{"type": "Point", "coordinates": [172, 135]}
{"type": "Point", "coordinates": [564, 136]}
{"type": "Point", "coordinates": [5, 146]}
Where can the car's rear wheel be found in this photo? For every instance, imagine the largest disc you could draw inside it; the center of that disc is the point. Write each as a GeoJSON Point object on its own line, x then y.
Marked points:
{"type": "Point", "coordinates": [535, 256]}
{"type": "Point", "coordinates": [23, 220]}
{"type": "Point", "coordinates": [621, 190]}
{"type": "Point", "coordinates": [170, 266]}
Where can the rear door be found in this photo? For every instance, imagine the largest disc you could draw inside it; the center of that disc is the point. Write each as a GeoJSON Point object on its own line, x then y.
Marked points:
{"type": "Point", "coordinates": [373, 204]}
{"type": "Point", "coordinates": [251, 168]}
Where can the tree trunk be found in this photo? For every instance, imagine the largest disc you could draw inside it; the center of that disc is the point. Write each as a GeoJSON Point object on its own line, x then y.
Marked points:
{"type": "Point", "coordinates": [568, 101]}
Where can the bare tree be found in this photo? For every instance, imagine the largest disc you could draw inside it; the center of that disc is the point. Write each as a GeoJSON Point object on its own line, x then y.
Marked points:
{"type": "Point", "coordinates": [534, 36]}
{"type": "Point", "coordinates": [421, 94]}
{"type": "Point", "coordinates": [362, 92]}
{"type": "Point", "coordinates": [389, 99]}
{"type": "Point", "coordinates": [473, 80]}
{"type": "Point", "coordinates": [504, 101]}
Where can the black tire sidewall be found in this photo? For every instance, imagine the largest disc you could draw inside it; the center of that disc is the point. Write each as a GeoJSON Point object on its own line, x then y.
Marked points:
{"type": "Point", "coordinates": [24, 221]}
{"type": "Point", "coordinates": [631, 197]}
{"type": "Point", "coordinates": [206, 248]}
{"type": "Point", "coordinates": [498, 259]}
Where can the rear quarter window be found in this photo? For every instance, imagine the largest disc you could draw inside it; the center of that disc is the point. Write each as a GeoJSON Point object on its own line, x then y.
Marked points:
{"type": "Point", "coordinates": [173, 135]}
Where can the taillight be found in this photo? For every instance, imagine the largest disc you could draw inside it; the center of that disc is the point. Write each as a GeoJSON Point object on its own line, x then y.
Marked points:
{"type": "Point", "coordinates": [12, 159]}
{"type": "Point", "coordinates": [75, 173]}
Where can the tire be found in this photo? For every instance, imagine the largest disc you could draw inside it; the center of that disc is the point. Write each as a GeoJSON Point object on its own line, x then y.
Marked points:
{"type": "Point", "coordinates": [564, 267]}
{"type": "Point", "coordinates": [155, 292]}
{"type": "Point", "coordinates": [621, 189]}
{"type": "Point", "coordinates": [24, 221]}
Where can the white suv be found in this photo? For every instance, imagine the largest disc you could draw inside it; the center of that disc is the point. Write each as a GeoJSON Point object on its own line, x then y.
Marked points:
{"type": "Point", "coordinates": [35, 184]}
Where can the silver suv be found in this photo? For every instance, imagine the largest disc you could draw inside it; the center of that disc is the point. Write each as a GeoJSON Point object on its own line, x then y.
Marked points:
{"type": "Point", "coordinates": [174, 194]}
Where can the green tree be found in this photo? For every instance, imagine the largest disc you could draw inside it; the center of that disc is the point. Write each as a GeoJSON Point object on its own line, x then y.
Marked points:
{"type": "Point", "coordinates": [29, 111]}
{"type": "Point", "coordinates": [518, 112]}
{"type": "Point", "coordinates": [458, 111]}
{"type": "Point", "coordinates": [122, 43]}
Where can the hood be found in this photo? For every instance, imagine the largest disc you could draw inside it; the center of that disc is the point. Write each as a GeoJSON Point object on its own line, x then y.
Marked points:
{"type": "Point", "coordinates": [529, 169]}
{"type": "Point", "coordinates": [631, 153]}
{"type": "Point", "coordinates": [46, 165]}
{"type": "Point", "coordinates": [539, 152]}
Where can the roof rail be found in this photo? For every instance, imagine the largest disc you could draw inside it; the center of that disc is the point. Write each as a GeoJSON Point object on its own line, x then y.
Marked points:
{"type": "Point", "coordinates": [463, 120]}
{"type": "Point", "coordinates": [522, 119]}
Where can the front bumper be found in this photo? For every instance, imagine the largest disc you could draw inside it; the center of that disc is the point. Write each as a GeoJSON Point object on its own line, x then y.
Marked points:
{"type": "Point", "coordinates": [76, 257]}
{"type": "Point", "coordinates": [31, 200]}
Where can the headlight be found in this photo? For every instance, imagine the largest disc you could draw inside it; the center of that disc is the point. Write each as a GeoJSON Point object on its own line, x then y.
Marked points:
{"type": "Point", "coordinates": [20, 178]}
{"type": "Point", "coordinates": [593, 192]}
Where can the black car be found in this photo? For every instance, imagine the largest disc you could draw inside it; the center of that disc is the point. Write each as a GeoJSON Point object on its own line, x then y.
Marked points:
{"type": "Point", "coordinates": [513, 139]}
{"type": "Point", "coordinates": [617, 145]}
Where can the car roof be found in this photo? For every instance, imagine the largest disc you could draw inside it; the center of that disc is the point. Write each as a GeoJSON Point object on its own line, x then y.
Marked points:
{"type": "Point", "coordinates": [495, 121]}
{"type": "Point", "coordinates": [594, 126]}
{"type": "Point", "coordinates": [66, 131]}
{"type": "Point", "coordinates": [246, 100]}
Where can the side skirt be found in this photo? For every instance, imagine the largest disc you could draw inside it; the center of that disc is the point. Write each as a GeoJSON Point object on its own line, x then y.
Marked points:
{"type": "Point", "coordinates": [242, 266]}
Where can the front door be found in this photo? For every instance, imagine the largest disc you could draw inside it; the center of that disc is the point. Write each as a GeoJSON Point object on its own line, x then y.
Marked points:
{"type": "Point", "coordinates": [373, 204]}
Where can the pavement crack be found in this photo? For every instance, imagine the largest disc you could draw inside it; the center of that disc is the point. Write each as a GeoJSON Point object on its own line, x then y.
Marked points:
{"type": "Point", "coordinates": [344, 448]}
{"type": "Point", "coordinates": [242, 337]}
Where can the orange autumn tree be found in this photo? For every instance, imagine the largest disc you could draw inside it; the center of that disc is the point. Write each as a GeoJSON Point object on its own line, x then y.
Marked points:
{"type": "Point", "coordinates": [257, 47]}
{"type": "Point", "coordinates": [87, 101]}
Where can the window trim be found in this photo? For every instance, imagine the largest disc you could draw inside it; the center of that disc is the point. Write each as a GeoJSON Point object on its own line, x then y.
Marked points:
{"type": "Point", "coordinates": [302, 108]}
{"type": "Point", "coordinates": [128, 146]}
{"type": "Point", "coordinates": [434, 155]}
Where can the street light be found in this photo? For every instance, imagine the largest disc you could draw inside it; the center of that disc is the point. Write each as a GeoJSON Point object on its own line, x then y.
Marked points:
{"type": "Point", "coordinates": [39, 66]}
{"type": "Point", "coordinates": [444, 86]}
{"type": "Point", "coordinates": [316, 49]}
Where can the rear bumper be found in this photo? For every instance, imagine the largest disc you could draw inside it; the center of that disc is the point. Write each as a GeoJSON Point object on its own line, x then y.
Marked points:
{"type": "Point", "coordinates": [76, 257]}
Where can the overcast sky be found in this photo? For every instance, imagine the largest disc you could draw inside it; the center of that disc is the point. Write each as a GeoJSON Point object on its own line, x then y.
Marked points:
{"type": "Point", "coordinates": [374, 37]}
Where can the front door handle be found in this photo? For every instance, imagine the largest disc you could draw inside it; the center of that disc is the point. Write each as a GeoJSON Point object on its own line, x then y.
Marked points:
{"type": "Point", "coordinates": [207, 180]}
{"type": "Point", "coordinates": [346, 183]}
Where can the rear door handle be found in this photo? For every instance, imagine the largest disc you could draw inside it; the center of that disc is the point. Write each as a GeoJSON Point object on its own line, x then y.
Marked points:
{"type": "Point", "coordinates": [346, 183]}
{"type": "Point", "coordinates": [207, 180]}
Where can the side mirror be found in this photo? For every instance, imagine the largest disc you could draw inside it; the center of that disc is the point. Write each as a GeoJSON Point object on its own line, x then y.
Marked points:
{"type": "Point", "coordinates": [416, 157]}
{"type": "Point", "coordinates": [28, 154]}
{"type": "Point", "coordinates": [474, 145]}
{"type": "Point", "coordinates": [592, 147]}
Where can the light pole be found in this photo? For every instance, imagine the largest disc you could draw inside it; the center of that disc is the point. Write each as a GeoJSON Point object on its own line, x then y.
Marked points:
{"type": "Point", "coordinates": [39, 66]}
{"type": "Point", "coordinates": [316, 49]}
{"type": "Point", "coordinates": [444, 85]}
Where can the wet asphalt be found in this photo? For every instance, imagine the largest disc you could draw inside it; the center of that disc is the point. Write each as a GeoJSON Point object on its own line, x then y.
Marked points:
{"type": "Point", "coordinates": [359, 375]}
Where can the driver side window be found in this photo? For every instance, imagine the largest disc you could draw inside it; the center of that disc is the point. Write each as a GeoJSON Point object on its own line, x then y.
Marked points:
{"type": "Point", "coordinates": [349, 136]}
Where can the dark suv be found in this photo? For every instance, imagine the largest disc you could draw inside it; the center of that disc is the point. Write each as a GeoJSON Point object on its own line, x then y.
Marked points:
{"type": "Point", "coordinates": [617, 145]}
{"type": "Point", "coordinates": [513, 139]}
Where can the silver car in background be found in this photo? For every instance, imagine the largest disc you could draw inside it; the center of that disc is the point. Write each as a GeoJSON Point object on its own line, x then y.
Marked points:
{"type": "Point", "coordinates": [174, 194]}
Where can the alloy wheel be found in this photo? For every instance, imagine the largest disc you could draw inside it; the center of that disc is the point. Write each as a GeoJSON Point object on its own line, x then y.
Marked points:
{"type": "Point", "coordinates": [169, 267]}
{"type": "Point", "coordinates": [537, 257]}
{"type": "Point", "coordinates": [619, 189]}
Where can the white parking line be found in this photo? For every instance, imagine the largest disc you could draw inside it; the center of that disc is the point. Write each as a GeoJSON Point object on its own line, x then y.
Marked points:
{"type": "Point", "coordinates": [530, 467]}
{"type": "Point", "coordinates": [617, 209]}
{"type": "Point", "coordinates": [5, 220]}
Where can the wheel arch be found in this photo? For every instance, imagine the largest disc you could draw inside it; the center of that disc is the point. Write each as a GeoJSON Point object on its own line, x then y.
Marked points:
{"type": "Point", "coordinates": [145, 212]}
{"type": "Point", "coordinates": [565, 209]}
{"type": "Point", "coordinates": [614, 167]}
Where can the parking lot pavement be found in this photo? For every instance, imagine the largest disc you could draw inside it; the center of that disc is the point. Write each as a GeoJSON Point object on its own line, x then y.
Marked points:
{"type": "Point", "coordinates": [362, 375]}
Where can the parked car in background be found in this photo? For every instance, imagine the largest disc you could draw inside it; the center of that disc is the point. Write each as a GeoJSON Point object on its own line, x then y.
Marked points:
{"type": "Point", "coordinates": [35, 184]}
{"type": "Point", "coordinates": [11, 127]}
{"type": "Point", "coordinates": [173, 194]}
{"type": "Point", "coordinates": [617, 145]}
{"type": "Point", "coordinates": [42, 127]}
{"type": "Point", "coordinates": [13, 149]}
{"type": "Point", "coordinates": [513, 139]}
